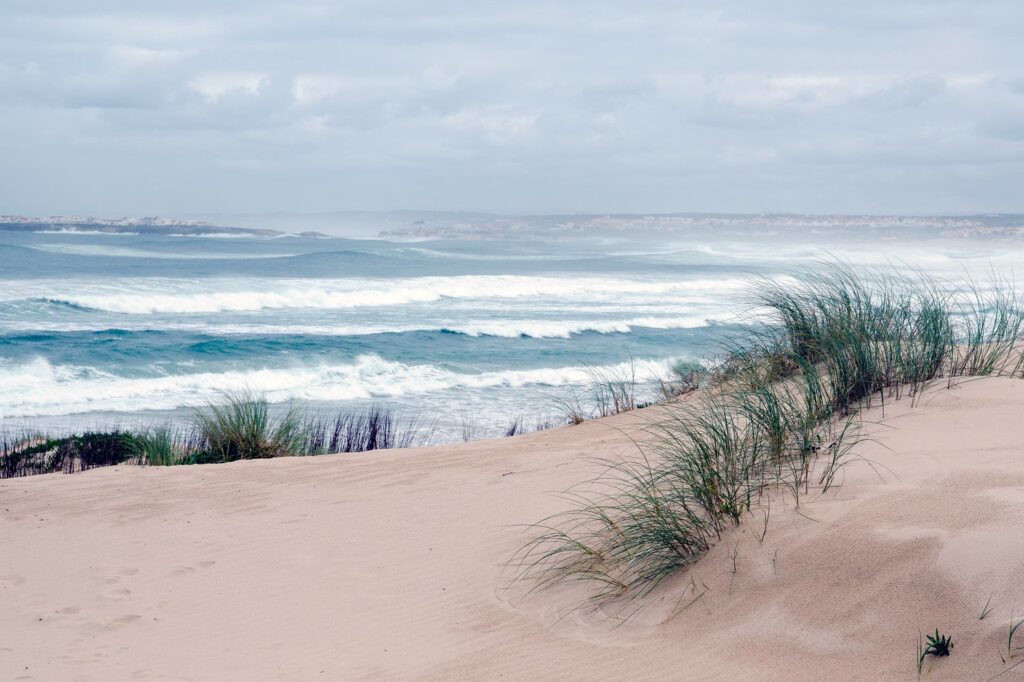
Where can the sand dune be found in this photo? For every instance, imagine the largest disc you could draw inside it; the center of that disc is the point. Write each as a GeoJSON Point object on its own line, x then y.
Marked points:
{"type": "Point", "coordinates": [389, 565]}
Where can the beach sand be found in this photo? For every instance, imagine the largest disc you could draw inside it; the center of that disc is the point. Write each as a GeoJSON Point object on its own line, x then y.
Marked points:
{"type": "Point", "coordinates": [390, 565]}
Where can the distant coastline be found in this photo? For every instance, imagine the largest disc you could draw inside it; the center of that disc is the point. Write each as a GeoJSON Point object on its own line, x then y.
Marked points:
{"type": "Point", "coordinates": [459, 225]}
{"type": "Point", "coordinates": [133, 226]}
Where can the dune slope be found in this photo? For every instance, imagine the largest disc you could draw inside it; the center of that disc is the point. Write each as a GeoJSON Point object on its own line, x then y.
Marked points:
{"type": "Point", "coordinates": [389, 565]}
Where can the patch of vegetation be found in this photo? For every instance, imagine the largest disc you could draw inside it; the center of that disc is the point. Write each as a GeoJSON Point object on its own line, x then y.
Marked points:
{"type": "Point", "coordinates": [684, 378]}
{"type": "Point", "coordinates": [780, 414]}
{"type": "Point", "coordinates": [648, 516]}
{"type": "Point", "coordinates": [1013, 631]}
{"type": "Point", "coordinates": [607, 391]}
{"type": "Point", "coordinates": [516, 427]}
{"type": "Point", "coordinates": [936, 645]}
{"type": "Point", "coordinates": [986, 609]}
{"type": "Point", "coordinates": [29, 455]}
{"type": "Point", "coordinates": [239, 426]}
{"type": "Point", "coordinates": [163, 446]}
{"type": "Point", "coordinates": [377, 428]}
{"type": "Point", "coordinates": [610, 391]}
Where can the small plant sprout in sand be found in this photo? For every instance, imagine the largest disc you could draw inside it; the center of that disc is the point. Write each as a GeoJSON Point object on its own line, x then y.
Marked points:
{"type": "Point", "coordinates": [936, 645]}
{"type": "Point", "coordinates": [986, 609]}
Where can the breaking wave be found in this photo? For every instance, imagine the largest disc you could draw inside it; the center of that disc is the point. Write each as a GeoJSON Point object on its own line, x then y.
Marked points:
{"type": "Point", "coordinates": [534, 329]}
{"type": "Point", "coordinates": [174, 296]}
{"type": "Point", "coordinates": [38, 388]}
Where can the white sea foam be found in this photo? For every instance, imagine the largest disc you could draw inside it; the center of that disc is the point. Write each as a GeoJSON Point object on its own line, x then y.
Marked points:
{"type": "Point", "coordinates": [37, 388]}
{"type": "Point", "coordinates": [504, 258]}
{"type": "Point", "coordinates": [537, 329]}
{"type": "Point", "coordinates": [88, 232]}
{"type": "Point", "coordinates": [565, 328]}
{"type": "Point", "coordinates": [177, 296]}
{"type": "Point", "coordinates": [103, 250]}
{"type": "Point", "coordinates": [217, 235]}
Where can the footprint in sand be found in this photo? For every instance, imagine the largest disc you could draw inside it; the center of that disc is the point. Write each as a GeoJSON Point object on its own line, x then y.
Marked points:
{"type": "Point", "coordinates": [11, 580]}
{"type": "Point", "coordinates": [188, 570]}
{"type": "Point", "coordinates": [119, 594]}
{"type": "Point", "coordinates": [300, 518]}
{"type": "Point", "coordinates": [122, 572]}
{"type": "Point", "coordinates": [116, 623]}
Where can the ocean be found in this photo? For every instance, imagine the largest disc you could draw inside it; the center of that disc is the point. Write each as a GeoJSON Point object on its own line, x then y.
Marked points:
{"type": "Point", "coordinates": [98, 330]}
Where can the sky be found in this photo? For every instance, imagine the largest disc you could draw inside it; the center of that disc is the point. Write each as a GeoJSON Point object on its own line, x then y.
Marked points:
{"type": "Point", "coordinates": [120, 107]}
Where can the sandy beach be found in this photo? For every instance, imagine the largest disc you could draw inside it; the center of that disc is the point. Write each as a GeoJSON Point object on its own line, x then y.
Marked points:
{"type": "Point", "coordinates": [390, 565]}
{"type": "Point", "coordinates": [511, 341]}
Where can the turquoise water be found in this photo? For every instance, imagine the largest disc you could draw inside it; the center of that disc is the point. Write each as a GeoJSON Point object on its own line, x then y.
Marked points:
{"type": "Point", "coordinates": [100, 328]}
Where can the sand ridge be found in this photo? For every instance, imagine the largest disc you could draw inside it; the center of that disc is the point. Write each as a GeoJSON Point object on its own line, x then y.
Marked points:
{"type": "Point", "coordinates": [390, 565]}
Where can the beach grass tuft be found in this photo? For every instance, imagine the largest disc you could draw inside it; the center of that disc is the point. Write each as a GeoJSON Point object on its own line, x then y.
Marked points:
{"type": "Point", "coordinates": [30, 454]}
{"type": "Point", "coordinates": [239, 425]}
{"type": "Point", "coordinates": [779, 412]}
{"type": "Point", "coordinates": [376, 428]}
{"type": "Point", "coordinates": [607, 391]}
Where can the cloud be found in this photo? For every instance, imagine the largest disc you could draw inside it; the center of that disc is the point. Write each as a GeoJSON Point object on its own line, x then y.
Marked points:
{"type": "Point", "coordinates": [503, 127]}
{"type": "Point", "coordinates": [312, 88]}
{"type": "Point", "coordinates": [214, 86]}
{"type": "Point", "coordinates": [528, 106]}
{"type": "Point", "coordinates": [131, 56]}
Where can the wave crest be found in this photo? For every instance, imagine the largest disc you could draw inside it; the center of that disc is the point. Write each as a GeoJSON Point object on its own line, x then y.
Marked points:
{"type": "Point", "coordinates": [504, 328]}
{"type": "Point", "coordinates": [155, 296]}
{"type": "Point", "coordinates": [38, 388]}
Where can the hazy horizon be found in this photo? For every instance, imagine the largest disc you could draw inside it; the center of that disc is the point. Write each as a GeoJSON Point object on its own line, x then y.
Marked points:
{"type": "Point", "coordinates": [201, 215]}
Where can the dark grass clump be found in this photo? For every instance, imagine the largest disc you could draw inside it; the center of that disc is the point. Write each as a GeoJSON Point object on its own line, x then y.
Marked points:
{"type": "Point", "coordinates": [30, 455]}
{"type": "Point", "coordinates": [936, 645]}
{"type": "Point", "coordinates": [375, 429]}
{"type": "Point", "coordinates": [240, 425]}
{"type": "Point", "coordinates": [516, 427]}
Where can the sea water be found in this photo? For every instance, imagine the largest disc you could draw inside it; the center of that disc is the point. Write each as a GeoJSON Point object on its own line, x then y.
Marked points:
{"type": "Point", "coordinates": [99, 330]}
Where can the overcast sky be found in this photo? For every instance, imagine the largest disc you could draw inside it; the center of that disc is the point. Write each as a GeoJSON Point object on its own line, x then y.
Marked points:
{"type": "Point", "coordinates": [126, 107]}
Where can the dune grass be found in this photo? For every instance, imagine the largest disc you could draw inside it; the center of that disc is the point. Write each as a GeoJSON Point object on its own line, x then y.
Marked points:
{"type": "Point", "coordinates": [239, 425]}
{"type": "Point", "coordinates": [780, 416]}
{"type": "Point", "coordinates": [1014, 626]}
{"type": "Point", "coordinates": [161, 446]}
{"type": "Point", "coordinates": [377, 428]}
{"type": "Point", "coordinates": [607, 391]}
{"type": "Point", "coordinates": [29, 454]}
{"type": "Point", "coordinates": [710, 464]}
